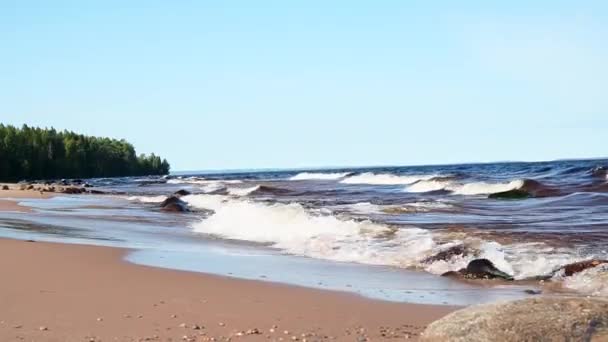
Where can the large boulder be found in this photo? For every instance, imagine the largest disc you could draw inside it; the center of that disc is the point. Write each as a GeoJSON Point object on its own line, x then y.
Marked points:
{"type": "Point", "coordinates": [533, 319]}
{"type": "Point", "coordinates": [174, 204]}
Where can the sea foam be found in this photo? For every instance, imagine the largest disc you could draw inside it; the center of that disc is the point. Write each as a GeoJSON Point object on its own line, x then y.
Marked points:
{"type": "Point", "coordinates": [473, 188]}
{"type": "Point", "coordinates": [319, 176]}
{"type": "Point", "coordinates": [384, 179]}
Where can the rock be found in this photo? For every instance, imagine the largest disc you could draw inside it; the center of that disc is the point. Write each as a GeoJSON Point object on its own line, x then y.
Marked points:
{"type": "Point", "coordinates": [181, 192]}
{"type": "Point", "coordinates": [532, 319]}
{"type": "Point", "coordinates": [72, 190]}
{"type": "Point", "coordinates": [580, 266]}
{"type": "Point", "coordinates": [30, 187]}
{"type": "Point", "coordinates": [479, 269]}
{"type": "Point", "coordinates": [484, 268]}
{"type": "Point", "coordinates": [174, 204]}
{"type": "Point", "coordinates": [5, 187]}
{"type": "Point", "coordinates": [96, 192]}
{"type": "Point", "coordinates": [447, 254]}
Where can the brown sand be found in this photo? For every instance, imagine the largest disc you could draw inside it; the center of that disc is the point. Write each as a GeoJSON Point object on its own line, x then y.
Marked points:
{"type": "Point", "coordinates": [87, 293]}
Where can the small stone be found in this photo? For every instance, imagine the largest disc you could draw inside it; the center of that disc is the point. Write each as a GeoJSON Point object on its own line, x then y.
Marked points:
{"type": "Point", "coordinates": [99, 319]}
{"type": "Point", "coordinates": [271, 330]}
{"type": "Point", "coordinates": [196, 327]}
{"type": "Point", "coordinates": [18, 326]}
{"type": "Point", "coordinates": [240, 333]}
{"type": "Point", "coordinates": [294, 338]}
{"type": "Point", "coordinates": [286, 332]}
{"type": "Point", "coordinates": [183, 325]}
{"type": "Point", "coordinates": [173, 316]}
{"type": "Point", "coordinates": [43, 328]}
{"type": "Point", "coordinates": [222, 324]}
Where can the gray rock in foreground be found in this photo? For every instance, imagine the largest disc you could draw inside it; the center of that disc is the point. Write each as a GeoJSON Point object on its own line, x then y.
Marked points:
{"type": "Point", "coordinates": [538, 319]}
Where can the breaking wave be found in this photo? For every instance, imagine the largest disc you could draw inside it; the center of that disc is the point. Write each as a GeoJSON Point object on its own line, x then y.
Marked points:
{"type": "Point", "coordinates": [147, 199]}
{"type": "Point", "coordinates": [319, 176]}
{"type": "Point", "coordinates": [385, 179]}
{"type": "Point", "coordinates": [319, 234]}
{"type": "Point", "coordinates": [474, 188]}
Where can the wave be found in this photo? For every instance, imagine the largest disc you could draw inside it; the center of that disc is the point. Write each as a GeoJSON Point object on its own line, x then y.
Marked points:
{"type": "Point", "coordinates": [592, 281]}
{"type": "Point", "coordinates": [474, 188]}
{"type": "Point", "coordinates": [243, 191]}
{"type": "Point", "coordinates": [319, 234]}
{"type": "Point", "coordinates": [319, 176]}
{"type": "Point", "coordinates": [385, 179]}
{"type": "Point", "coordinates": [147, 199]}
{"type": "Point", "coordinates": [202, 181]}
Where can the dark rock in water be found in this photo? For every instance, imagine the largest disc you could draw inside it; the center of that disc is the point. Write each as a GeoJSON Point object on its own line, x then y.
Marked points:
{"type": "Point", "coordinates": [533, 292]}
{"type": "Point", "coordinates": [479, 269]}
{"type": "Point", "coordinates": [87, 185]}
{"type": "Point", "coordinates": [485, 269]}
{"type": "Point", "coordinates": [532, 319]}
{"type": "Point", "coordinates": [174, 204]}
{"type": "Point", "coordinates": [73, 190]}
{"type": "Point", "coordinates": [447, 254]}
{"type": "Point", "coordinates": [510, 194]}
{"type": "Point", "coordinates": [96, 192]}
{"type": "Point", "coordinates": [5, 187]}
{"type": "Point", "coordinates": [580, 266]}
{"type": "Point", "coordinates": [181, 192]}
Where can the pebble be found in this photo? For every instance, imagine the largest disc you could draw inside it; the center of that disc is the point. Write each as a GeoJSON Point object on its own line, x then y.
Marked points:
{"type": "Point", "coordinates": [19, 326]}
{"type": "Point", "coordinates": [43, 328]}
{"type": "Point", "coordinates": [183, 325]}
{"type": "Point", "coordinates": [286, 332]}
{"type": "Point", "coordinates": [99, 319]}
{"type": "Point", "coordinates": [173, 316]}
{"type": "Point", "coordinates": [222, 324]}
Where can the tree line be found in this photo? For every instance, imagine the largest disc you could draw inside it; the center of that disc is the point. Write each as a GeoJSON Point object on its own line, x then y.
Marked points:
{"type": "Point", "coordinates": [29, 153]}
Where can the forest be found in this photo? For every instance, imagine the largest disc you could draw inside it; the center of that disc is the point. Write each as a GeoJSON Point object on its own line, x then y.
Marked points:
{"type": "Point", "coordinates": [29, 153]}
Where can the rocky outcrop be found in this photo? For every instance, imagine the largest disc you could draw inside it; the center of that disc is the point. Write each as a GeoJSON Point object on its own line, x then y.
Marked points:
{"type": "Point", "coordinates": [479, 269]}
{"type": "Point", "coordinates": [174, 204]}
{"type": "Point", "coordinates": [533, 319]}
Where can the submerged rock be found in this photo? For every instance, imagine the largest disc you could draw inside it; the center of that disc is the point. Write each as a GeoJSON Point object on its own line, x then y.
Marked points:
{"type": "Point", "coordinates": [447, 254]}
{"type": "Point", "coordinates": [580, 266]}
{"type": "Point", "coordinates": [174, 204]}
{"type": "Point", "coordinates": [537, 319]}
{"type": "Point", "coordinates": [479, 269]}
{"type": "Point", "coordinates": [181, 192]}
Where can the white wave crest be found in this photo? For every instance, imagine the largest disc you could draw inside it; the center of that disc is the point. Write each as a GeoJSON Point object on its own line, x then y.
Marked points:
{"type": "Point", "coordinates": [319, 176]}
{"type": "Point", "coordinates": [242, 191]}
{"type": "Point", "coordinates": [295, 230]}
{"type": "Point", "coordinates": [384, 179]}
{"type": "Point", "coordinates": [147, 199]}
{"type": "Point", "coordinates": [474, 188]}
{"type": "Point", "coordinates": [319, 234]}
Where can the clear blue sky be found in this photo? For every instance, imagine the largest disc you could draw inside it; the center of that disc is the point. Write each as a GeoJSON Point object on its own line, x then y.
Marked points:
{"type": "Point", "coordinates": [260, 84]}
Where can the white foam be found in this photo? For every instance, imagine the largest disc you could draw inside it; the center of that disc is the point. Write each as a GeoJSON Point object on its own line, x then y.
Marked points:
{"type": "Point", "coordinates": [384, 179]}
{"type": "Point", "coordinates": [319, 176]}
{"type": "Point", "coordinates": [474, 188]}
{"type": "Point", "coordinates": [242, 191]}
{"type": "Point", "coordinates": [147, 199]}
{"type": "Point", "coordinates": [319, 234]}
{"type": "Point", "coordinates": [592, 281]}
{"type": "Point", "coordinates": [295, 230]}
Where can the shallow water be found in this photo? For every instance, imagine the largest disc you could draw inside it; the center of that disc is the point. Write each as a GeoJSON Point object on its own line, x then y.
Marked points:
{"type": "Point", "coordinates": [370, 229]}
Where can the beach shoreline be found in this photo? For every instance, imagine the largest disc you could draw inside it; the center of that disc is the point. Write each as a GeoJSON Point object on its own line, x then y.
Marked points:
{"type": "Point", "coordinates": [70, 292]}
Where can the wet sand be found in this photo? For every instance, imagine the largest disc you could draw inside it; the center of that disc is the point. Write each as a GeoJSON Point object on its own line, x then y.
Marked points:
{"type": "Point", "coordinates": [60, 292]}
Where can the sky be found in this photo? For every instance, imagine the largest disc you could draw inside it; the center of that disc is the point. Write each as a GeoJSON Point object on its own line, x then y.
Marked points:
{"type": "Point", "coordinates": [286, 84]}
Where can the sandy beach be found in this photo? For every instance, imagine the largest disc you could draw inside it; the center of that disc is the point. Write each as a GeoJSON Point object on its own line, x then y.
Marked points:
{"type": "Point", "coordinates": [61, 292]}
